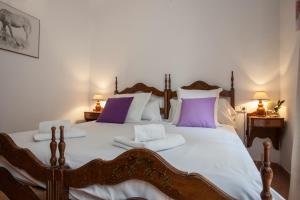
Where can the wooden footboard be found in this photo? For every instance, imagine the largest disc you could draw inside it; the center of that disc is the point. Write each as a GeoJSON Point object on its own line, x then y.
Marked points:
{"type": "Point", "coordinates": [144, 165]}
{"type": "Point", "coordinates": [138, 164]}
{"type": "Point", "coordinates": [14, 189]}
{"type": "Point", "coordinates": [24, 160]}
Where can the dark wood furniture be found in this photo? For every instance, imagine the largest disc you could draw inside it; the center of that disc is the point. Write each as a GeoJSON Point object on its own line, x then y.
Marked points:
{"type": "Point", "coordinates": [201, 85]}
{"type": "Point", "coordinates": [265, 127]}
{"type": "Point", "coordinates": [168, 94]}
{"type": "Point", "coordinates": [141, 87]}
{"type": "Point", "coordinates": [138, 164]}
{"type": "Point", "coordinates": [13, 188]}
{"type": "Point", "coordinates": [91, 116]}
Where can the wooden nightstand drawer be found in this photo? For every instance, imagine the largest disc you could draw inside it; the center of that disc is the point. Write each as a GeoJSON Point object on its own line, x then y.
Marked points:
{"type": "Point", "coordinates": [264, 127]}
{"type": "Point", "coordinates": [91, 116]}
{"type": "Point", "coordinates": [268, 123]}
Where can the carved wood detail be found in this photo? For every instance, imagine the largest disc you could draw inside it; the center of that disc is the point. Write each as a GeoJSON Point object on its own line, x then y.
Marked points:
{"type": "Point", "coordinates": [201, 85]}
{"type": "Point", "coordinates": [141, 87]}
{"type": "Point", "coordinates": [56, 190]}
{"type": "Point", "coordinates": [147, 166]}
{"type": "Point", "coordinates": [116, 86]}
{"type": "Point", "coordinates": [23, 159]}
{"type": "Point", "coordinates": [13, 189]}
{"type": "Point", "coordinates": [139, 164]}
{"type": "Point", "coordinates": [266, 173]}
{"type": "Point", "coordinates": [53, 147]}
{"type": "Point", "coordinates": [61, 148]}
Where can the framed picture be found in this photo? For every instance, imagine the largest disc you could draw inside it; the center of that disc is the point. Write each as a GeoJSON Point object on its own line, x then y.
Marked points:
{"type": "Point", "coordinates": [298, 15]}
{"type": "Point", "coordinates": [19, 32]}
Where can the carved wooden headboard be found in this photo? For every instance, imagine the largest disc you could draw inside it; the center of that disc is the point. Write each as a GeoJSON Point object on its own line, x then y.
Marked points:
{"type": "Point", "coordinates": [168, 94]}
{"type": "Point", "coordinates": [201, 85]}
{"type": "Point", "coordinates": [141, 87]}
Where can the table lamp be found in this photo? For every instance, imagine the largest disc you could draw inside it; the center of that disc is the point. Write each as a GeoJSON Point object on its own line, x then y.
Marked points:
{"type": "Point", "coordinates": [260, 96]}
{"type": "Point", "coordinates": [97, 98]}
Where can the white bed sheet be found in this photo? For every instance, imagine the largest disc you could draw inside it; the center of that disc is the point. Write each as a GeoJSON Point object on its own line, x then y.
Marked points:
{"type": "Point", "coordinates": [218, 154]}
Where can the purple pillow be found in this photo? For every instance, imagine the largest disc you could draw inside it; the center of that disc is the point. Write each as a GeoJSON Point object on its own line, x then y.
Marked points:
{"type": "Point", "coordinates": [115, 110]}
{"type": "Point", "coordinates": [198, 113]}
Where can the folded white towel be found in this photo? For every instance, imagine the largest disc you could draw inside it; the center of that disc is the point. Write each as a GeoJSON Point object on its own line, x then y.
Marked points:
{"type": "Point", "coordinates": [72, 133]}
{"type": "Point", "coordinates": [45, 127]}
{"type": "Point", "coordinates": [149, 132]}
{"type": "Point", "coordinates": [171, 141]}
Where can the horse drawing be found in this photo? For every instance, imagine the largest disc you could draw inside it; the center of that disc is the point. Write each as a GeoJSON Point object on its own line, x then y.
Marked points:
{"type": "Point", "coordinates": [10, 20]}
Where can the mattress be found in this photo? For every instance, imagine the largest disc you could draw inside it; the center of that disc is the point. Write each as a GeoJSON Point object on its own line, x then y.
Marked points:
{"type": "Point", "coordinates": [217, 154]}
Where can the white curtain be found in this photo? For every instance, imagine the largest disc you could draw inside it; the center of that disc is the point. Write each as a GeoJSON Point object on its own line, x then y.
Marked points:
{"type": "Point", "coordinates": [295, 169]}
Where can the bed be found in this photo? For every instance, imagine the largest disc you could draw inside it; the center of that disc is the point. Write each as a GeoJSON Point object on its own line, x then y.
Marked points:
{"type": "Point", "coordinates": [213, 164]}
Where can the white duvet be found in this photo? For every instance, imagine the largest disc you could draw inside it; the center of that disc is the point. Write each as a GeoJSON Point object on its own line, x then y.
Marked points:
{"type": "Point", "coordinates": [218, 154]}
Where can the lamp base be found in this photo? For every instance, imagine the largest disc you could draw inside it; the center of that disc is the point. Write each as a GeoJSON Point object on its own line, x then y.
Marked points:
{"type": "Point", "coordinates": [261, 111]}
{"type": "Point", "coordinates": [97, 107]}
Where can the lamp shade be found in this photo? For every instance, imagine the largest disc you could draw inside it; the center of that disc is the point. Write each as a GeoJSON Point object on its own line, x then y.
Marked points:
{"type": "Point", "coordinates": [260, 95]}
{"type": "Point", "coordinates": [97, 97]}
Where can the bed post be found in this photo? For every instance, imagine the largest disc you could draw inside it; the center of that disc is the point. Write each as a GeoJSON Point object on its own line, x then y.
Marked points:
{"type": "Point", "coordinates": [61, 148]}
{"type": "Point", "coordinates": [51, 183]}
{"type": "Point", "coordinates": [232, 100]}
{"type": "Point", "coordinates": [53, 147]}
{"type": "Point", "coordinates": [169, 94]}
{"type": "Point", "coordinates": [116, 85]}
{"type": "Point", "coordinates": [169, 88]}
{"type": "Point", "coordinates": [266, 173]}
{"type": "Point", "coordinates": [62, 191]}
{"type": "Point", "coordinates": [166, 97]}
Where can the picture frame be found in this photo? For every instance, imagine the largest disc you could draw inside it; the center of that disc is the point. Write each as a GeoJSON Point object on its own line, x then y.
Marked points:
{"type": "Point", "coordinates": [19, 31]}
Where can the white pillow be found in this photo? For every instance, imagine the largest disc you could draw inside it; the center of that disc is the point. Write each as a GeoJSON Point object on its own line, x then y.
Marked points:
{"type": "Point", "coordinates": [137, 105]}
{"type": "Point", "coordinates": [174, 111]}
{"type": "Point", "coordinates": [173, 105]}
{"type": "Point", "coordinates": [194, 94]}
{"type": "Point", "coordinates": [226, 114]}
{"type": "Point", "coordinates": [152, 111]}
{"type": "Point", "coordinates": [159, 99]}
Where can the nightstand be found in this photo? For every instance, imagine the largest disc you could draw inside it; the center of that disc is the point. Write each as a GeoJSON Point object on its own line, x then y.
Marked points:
{"type": "Point", "coordinates": [91, 116]}
{"type": "Point", "coordinates": [265, 127]}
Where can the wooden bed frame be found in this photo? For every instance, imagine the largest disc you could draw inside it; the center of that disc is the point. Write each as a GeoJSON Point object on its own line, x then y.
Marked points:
{"type": "Point", "coordinates": [138, 164]}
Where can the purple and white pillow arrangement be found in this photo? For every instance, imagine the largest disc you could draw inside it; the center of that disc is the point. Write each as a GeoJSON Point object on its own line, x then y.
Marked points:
{"type": "Point", "coordinates": [201, 108]}
{"type": "Point", "coordinates": [130, 108]}
{"type": "Point", "coordinates": [195, 108]}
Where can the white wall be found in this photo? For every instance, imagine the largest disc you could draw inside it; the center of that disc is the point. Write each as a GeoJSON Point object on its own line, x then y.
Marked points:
{"type": "Point", "coordinates": [57, 84]}
{"type": "Point", "coordinates": [289, 60]}
{"type": "Point", "coordinates": [191, 39]}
